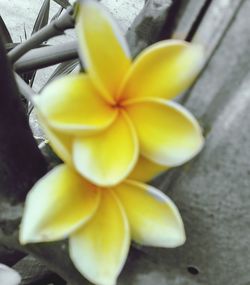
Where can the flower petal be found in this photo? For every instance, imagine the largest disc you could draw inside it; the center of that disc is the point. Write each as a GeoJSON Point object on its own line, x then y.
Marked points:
{"type": "Point", "coordinates": [58, 204]}
{"type": "Point", "coordinates": [72, 105]}
{"type": "Point", "coordinates": [99, 249]}
{"type": "Point", "coordinates": [164, 69]}
{"type": "Point", "coordinates": [145, 170]}
{"type": "Point", "coordinates": [60, 143]}
{"type": "Point", "coordinates": [103, 49]}
{"type": "Point", "coordinates": [9, 276]}
{"type": "Point", "coordinates": [168, 133]}
{"type": "Point", "coordinates": [154, 219]}
{"type": "Point", "coordinates": [108, 157]}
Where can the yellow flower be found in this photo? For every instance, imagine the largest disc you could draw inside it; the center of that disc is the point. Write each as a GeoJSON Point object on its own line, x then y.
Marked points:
{"type": "Point", "coordinates": [99, 221]}
{"type": "Point", "coordinates": [104, 120]}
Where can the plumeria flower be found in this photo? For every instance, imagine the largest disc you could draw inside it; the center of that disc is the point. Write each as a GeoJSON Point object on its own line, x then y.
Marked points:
{"type": "Point", "coordinates": [99, 221]}
{"type": "Point", "coordinates": [118, 115]}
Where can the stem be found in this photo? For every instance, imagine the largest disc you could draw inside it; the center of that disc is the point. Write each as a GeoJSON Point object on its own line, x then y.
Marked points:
{"type": "Point", "coordinates": [55, 28]}
{"type": "Point", "coordinates": [24, 88]}
{"type": "Point", "coordinates": [46, 56]}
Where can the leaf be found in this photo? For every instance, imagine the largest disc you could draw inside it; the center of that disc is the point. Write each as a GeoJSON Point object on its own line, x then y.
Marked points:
{"type": "Point", "coordinates": [64, 68]}
{"type": "Point", "coordinates": [4, 32]}
{"type": "Point", "coordinates": [41, 21]}
{"type": "Point", "coordinates": [43, 17]}
{"type": "Point", "coordinates": [63, 3]}
{"type": "Point", "coordinates": [25, 32]}
{"type": "Point", "coordinates": [32, 79]}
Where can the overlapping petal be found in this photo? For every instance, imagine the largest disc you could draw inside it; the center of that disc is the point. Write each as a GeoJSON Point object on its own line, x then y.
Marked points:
{"type": "Point", "coordinates": [164, 70]}
{"type": "Point", "coordinates": [60, 142]}
{"type": "Point", "coordinates": [102, 47]}
{"type": "Point", "coordinates": [99, 249]}
{"type": "Point", "coordinates": [145, 170]}
{"type": "Point", "coordinates": [72, 105]}
{"type": "Point", "coordinates": [108, 157]}
{"type": "Point", "coordinates": [154, 219]}
{"type": "Point", "coordinates": [58, 204]}
{"type": "Point", "coordinates": [168, 133]}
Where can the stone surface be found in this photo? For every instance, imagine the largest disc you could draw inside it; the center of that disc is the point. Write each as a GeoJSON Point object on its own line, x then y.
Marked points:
{"type": "Point", "coordinates": [146, 28]}
{"type": "Point", "coordinates": [213, 191]}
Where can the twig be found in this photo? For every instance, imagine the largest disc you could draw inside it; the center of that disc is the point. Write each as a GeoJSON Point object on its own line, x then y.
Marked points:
{"type": "Point", "coordinates": [55, 28]}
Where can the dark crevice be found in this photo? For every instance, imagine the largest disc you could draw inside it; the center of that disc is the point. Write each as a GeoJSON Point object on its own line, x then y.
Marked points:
{"type": "Point", "coordinates": [194, 270]}
{"type": "Point", "coordinates": [198, 20]}
{"type": "Point", "coordinates": [172, 18]}
{"type": "Point", "coordinates": [52, 279]}
{"type": "Point", "coordinates": [187, 95]}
